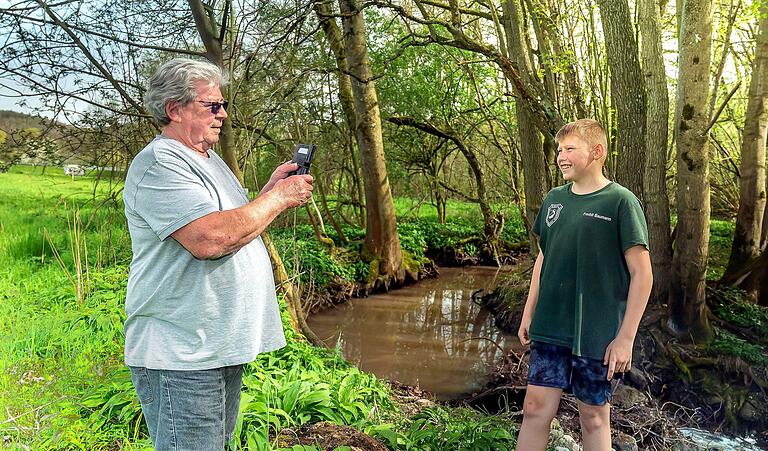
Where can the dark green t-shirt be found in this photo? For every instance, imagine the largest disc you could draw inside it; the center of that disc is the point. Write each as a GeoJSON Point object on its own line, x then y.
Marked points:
{"type": "Point", "coordinates": [584, 279]}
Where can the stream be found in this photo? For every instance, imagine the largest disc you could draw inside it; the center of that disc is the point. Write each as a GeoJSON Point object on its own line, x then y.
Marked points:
{"type": "Point", "coordinates": [431, 335]}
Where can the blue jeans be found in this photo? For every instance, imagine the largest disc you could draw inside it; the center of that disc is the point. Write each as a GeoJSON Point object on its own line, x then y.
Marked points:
{"type": "Point", "coordinates": [189, 410]}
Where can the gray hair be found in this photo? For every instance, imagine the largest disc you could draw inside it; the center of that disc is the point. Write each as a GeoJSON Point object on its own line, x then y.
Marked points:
{"type": "Point", "coordinates": [174, 81]}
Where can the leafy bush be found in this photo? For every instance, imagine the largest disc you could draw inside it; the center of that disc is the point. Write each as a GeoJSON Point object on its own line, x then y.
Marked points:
{"type": "Point", "coordinates": [514, 229]}
{"type": "Point", "coordinates": [459, 429]}
{"type": "Point", "coordinates": [412, 238]}
{"type": "Point", "coordinates": [726, 343]}
{"type": "Point", "coordinates": [733, 307]}
{"type": "Point", "coordinates": [301, 384]}
{"type": "Point", "coordinates": [429, 237]}
{"type": "Point", "coordinates": [304, 254]}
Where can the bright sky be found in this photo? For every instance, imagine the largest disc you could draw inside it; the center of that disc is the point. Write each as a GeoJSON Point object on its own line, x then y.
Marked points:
{"type": "Point", "coordinates": [8, 100]}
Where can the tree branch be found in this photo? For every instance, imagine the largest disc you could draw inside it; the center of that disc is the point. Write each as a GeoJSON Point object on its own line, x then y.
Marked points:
{"type": "Point", "coordinates": [141, 114]}
{"type": "Point", "coordinates": [102, 35]}
{"type": "Point", "coordinates": [722, 107]}
{"type": "Point", "coordinates": [206, 30]}
{"type": "Point", "coordinates": [470, 12]}
{"type": "Point", "coordinates": [104, 72]}
{"type": "Point", "coordinates": [528, 91]}
{"type": "Point", "coordinates": [459, 193]}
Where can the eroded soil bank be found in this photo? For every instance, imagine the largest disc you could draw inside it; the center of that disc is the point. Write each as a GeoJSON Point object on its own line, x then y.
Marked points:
{"type": "Point", "coordinates": [340, 291]}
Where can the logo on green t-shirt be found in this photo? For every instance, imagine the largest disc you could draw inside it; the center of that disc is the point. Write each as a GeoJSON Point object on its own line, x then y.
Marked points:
{"type": "Point", "coordinates": [553, 212]}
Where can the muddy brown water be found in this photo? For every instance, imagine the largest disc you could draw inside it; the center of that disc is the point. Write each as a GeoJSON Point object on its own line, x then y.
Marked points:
{"type": "Point", "coordinates": [429, 335]}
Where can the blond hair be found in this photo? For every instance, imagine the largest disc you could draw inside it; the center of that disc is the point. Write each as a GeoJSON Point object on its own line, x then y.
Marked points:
{"type": "Point", "coordinates": [589, 130]}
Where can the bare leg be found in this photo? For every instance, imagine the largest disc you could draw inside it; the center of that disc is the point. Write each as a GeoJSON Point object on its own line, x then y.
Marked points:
{"type": "Point", "coordinates": [539, 408]}
{"type": "Point", "coordinates": [595, 426]}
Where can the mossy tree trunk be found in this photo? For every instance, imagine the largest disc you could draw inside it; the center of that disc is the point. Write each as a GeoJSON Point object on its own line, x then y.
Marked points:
{"type": "Point", "coordinates": [688, 295]}
{"type": "Point", "coordinates": [656, 203]}
{"type": "Point", "coordinates": [531, 148]}
{"type": "Point", "coordinates": [627, 93]}
{"type": "Point", "coordinates": [752, 184]}
{"type": "Point", "coordinates": [382, 243]}
{"type": "Point", "coordinates": [346, 98]}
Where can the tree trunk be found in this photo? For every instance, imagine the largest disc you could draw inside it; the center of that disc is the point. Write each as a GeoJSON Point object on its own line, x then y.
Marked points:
{"type": "Point", "coordinates": [751, 278]}
{"type": "Point", "coordinates": [687, 295]}
{"type": "Point", "coordinates": [757, 280]}
{"type": "Point", "coordinates": [440, 200]}
{"type": "Point", "coordinates": [656, 202]}
{"type": "Point", "coordinates": [752, 189]}
{"type": "Point", "coordinates": [346, 97]}
{"type": "Point", "coordinates": [627, 93]}
{"type": "Point", "coordinates": [207, 28]}
{"type": "Point", "coordinates": [531, 148]}
{"type": "Point", "coordinates": [729, 16]}
{"type": "Point", "coordinates": [331, 217]}
{"type": "Point", "coordinates": [544, 17]}
{"type": "Point", "coordinates": [381, 240]}
{"type": "Point", "coordinates": [318, 226]}
{"type": "Point", "coordinates": [764, 234]}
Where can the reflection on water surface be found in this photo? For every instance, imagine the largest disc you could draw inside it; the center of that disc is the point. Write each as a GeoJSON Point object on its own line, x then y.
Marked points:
{"type": "Point", "coordinates": [430, 334]}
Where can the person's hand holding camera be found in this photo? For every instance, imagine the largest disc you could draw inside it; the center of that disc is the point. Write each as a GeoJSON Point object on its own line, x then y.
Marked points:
{"type": "Point", "coordinates": [295, 190]}
{"type": "Point", "coordinates": [279, 173]}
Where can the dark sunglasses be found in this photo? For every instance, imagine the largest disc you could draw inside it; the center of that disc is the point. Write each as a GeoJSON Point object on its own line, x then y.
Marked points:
{"type": "Point", "coordinates": [215, 106]}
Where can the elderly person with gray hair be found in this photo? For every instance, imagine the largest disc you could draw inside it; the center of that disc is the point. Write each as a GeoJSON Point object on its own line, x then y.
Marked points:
{"type": "Point", "coordinates": [201, 298]}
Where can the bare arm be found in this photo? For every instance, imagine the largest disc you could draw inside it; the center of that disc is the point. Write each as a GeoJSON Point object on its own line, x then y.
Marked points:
{"type": "Point", "coordinates": [530, 303]}
{"type": "Point", "coordinates": [225, 232]}
{"type": "Point", "coordinates": [641, 280]}
{"type": "Point", "coordinates": [618, 355]}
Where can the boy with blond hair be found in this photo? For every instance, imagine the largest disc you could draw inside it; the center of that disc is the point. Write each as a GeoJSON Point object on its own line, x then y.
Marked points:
{"type": "Point", "coordinates": [589, 288]}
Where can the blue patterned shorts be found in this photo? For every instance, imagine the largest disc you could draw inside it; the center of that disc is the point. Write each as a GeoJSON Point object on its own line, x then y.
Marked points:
{"type": "Point", "coordinates": [555, 366]}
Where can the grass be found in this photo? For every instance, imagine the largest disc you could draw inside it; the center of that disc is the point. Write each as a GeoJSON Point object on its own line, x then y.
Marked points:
{"type": "Point", "coordinates": [412, 208]}
{"type": "Point", "coordinates": [55, 342]}
{"type": "Point", "coordinates": [64, 255]}
{"type": "Point", "coordinates": [720, 239]}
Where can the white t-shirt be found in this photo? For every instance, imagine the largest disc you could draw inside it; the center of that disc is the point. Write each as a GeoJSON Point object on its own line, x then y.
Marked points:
{"type": "Point", "coordinates": [185, 313]}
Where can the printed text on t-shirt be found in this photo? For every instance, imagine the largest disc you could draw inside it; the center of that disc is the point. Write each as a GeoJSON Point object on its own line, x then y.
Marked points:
{"type": "Point", "coordinates": [598, 216]}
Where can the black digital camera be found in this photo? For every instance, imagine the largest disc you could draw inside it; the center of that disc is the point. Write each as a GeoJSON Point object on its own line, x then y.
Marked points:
{"type": "Point", "coordinates": [303, 157]}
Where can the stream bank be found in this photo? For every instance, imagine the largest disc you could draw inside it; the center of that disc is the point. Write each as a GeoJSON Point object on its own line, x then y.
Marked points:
{"type": "Point", "coordinates": [720, 387]}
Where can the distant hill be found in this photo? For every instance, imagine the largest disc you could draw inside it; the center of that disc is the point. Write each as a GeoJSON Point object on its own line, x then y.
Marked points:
{"type": "Point", "coordinates": [13, 120]}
